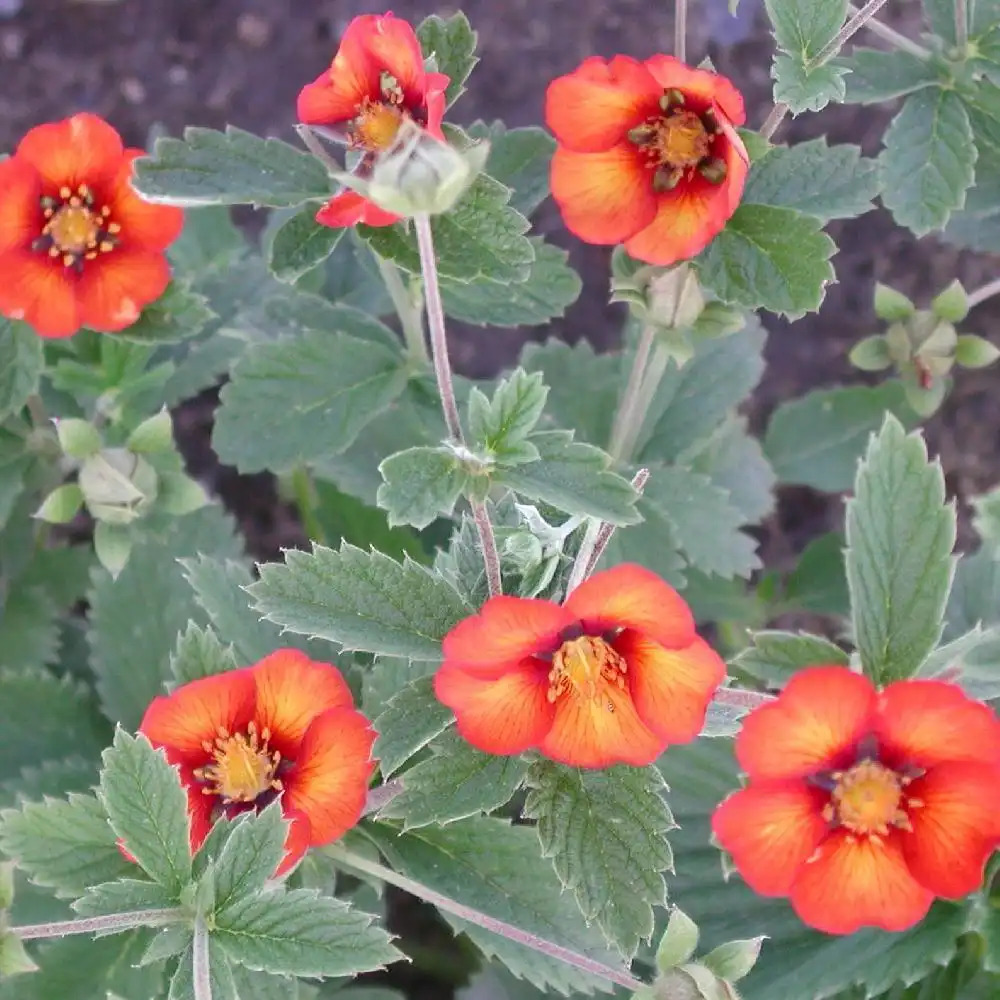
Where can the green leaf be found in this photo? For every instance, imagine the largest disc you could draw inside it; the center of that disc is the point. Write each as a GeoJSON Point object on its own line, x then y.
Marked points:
{"type": "Point", "coordinates": [210, 241]}
{"type": "Point", "coordinates": [199, 653]}
{"type": "Point", "coordinates": [178, 314]}
{"type": "Point", "coordinates": [606, 834]}
{"type": "Point", "coordinates": [805, 27]}
{"type": "Point", "coordinates": [64, 845]}
{"type": "Point", "coordinates": [250, 855]}
{"type": "Point", "coordinates": [816, 440]}
{"type": "Point", "coordinates": [774, 656]}
{"type": "Point", "coordinates": [421, 484]}
{"type": "Point", "coordinates": [300, 245]}
{"type": "Point", "coordinates": [769, 258]}
{"type": "Point", "coordinates": [410, 720]}
{"type": "Point", "coordinates": [574, 477]}
{"type": "Point", "coordinates": [900, 534]}
{"type": "Point", "coordinates": [520, 158]}
{"type": "Point", "coordinates": [876, 76]}
{"type": "Point", "coordinates": [314, 393]}
{"type": "Point", "coordinates": [147, 808]}
{"type": "Point", "coordinates": [458, 781]}
{"type": "Point", "coordinates": [826, 182]}
{"type": "Point", "coordinates": [818, 583]}
{"type": "Point", "coordinates": [496, 869]}
{"type": "Point", "coordinates": [361, 600]}
{"type": "Point", "coordinates": [928, 161]}
{"type": "Point", "coordinates": [502, 424]}
{"type": "Point", "coordinates": [975, 595]}
{"type": "Point", "coordinates": [972, 661]}
{"type": "Point", "coordinates": [301, 933]}
{"type": "Point", "coordinates": [56, 777]}
{"type": "Point", "coordinates": [229, 168]}
{"type": "Point", "coordinates": [550, 288]}
{"type": "Point", "coordinates": [481, 237]}
{"type": "Point", "coordinates": [124, 896]}
{"type": "Point", "coordinates": [804, 86]}
{"type": "Point", "coordinates": [21, 364]}
{"type": "Point", "coordinates": [131, 648]}
{"type": "Point", "coordinates": [451, 45]}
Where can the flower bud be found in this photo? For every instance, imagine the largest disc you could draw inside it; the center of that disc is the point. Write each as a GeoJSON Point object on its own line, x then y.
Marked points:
{"type": "Point", "coordinates": [734, 959]}
{"type": "Point", "coordinates": [675, 298]}
{"type": "Point", "coordinates": [975, 352]}
{"type": "Point", "coordinates": [952, 304]}
{"type": "Point", "coordinates": [118, 486]}
{"type": "Point", "coordinates": [678, 942]}
{"type": "Point", "coordinates": [78, 438]}
{"type": "Point", "coordinates": [61, 505]}
{"type": "Point", "coordinates": [892, 306]}
{"type": "Point", "coordinates": [154, 434]}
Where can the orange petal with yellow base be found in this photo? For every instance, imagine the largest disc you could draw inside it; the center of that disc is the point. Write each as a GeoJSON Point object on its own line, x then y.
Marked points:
{"type": "Point", "coordinates": [83, 149]}
{"type": "Point", "coordinates": [114, 290]}
{"type": "Point", "coordinates": [39, 292]}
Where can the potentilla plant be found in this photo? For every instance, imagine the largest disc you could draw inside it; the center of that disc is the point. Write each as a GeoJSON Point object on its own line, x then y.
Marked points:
{"type": "Point", "coordinates": [529, 669]}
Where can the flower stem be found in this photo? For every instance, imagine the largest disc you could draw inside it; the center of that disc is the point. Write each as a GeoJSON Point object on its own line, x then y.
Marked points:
{"type": "Point", "coordinates": [380, 797]}
{"type": "Point", "coordinates": [961, 25]}
{"type": "Point", "coordinates": [361, 864]}
{"type": "Point", "coordinates": [680, 30]}
{"type": "Point", "coordinates": [891, 35]}
{"type": "Point", "coordinates": [774, 119]}
{"type": "Point", "coordinates": [628, 414]}
{"type": "Point", "coordinates": [980, 295]}
{"type": "Point", "coordinates": [202, 972]}
{"type": "Point", "coordinates": [304, 492]}
{"type": "Point", "coordinates": [488, 543]}
{"type": "Point", "coordinates": [309, 140]}
{"type": "Point", "coordinates": [741, 698]}
{"type": "Point", "coordinates": [112, 923]}
{"type": "Point", "coordinates": [408, 311]}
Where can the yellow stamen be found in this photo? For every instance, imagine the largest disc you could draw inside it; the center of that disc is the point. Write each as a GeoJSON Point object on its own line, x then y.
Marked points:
{"type": "Point", "coordinates": [867, 800]}
{"type": "Point", "coordinates": [243, 766]}
{"type": "Point", "coordinates": [376, 124]}
{"type": "Point", "coordinates": [585, 667]}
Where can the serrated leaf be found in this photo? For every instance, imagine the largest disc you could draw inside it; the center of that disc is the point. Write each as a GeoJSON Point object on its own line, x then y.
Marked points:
{"type": "Point", "coordinates": [774, 656]}
{"type": "Point", "coordinates": [421, 484]}
{"type": "Point", "coordinates": [928, 161]}
{"type": "Point", "coordinates": [250, 855]}
{"type": "Point", "coordinates": [481, 237]}
{"type": "Point", "coordinates": [209, 241]}
{"type": "Point", "coordinates": [65, 845]}
{"type": "Point", "coordinates": [818, 583]}
{"type": "Point", "coordinates": [233, 167]}
{"type": "Point", "coordinates": [458, 781]}
{"type": "Point", "coordinates": [805, 27]}
{"type": "Point", "coordinates": [410, 720]}
{"type": "Point", "coordinates": [972, 661]}
{"type": "Point", "coordinates": [199, 653]}
{"type": "Point", "coordinates": [573, 476]}
{"type": "Point", "coordinates": [816, 440]}
{"type": "Point", "coordinates": [21, 364]}
{"type": "Point", "coordinates": [606, 834]}
{"type": "Point", "coordinates": [975, 595]}
{"type": "Point", "coordinates": [875, 75]}
{"type": "Point", "coordinates": [769, 258]}
{"type": "Point", "coordinates": [300, 245]}
{"type": "Point", "coordinates": [29, 633]}
{"type": "Point", "coordinates": [826, 182]}
{"type": "Point", "coordinates": [127, 895]}
{"type": "Point", "coordinates": [56, 778]}
{"type": "Point", "coordinates": [519, 158]}
{"type": "Point", "coordinates": [301, 933]}
{"type": "Point", "coordinates": [362, 600]}
{"type": "Point", "coordinates": [178, 314]}
{"type": "Point", "coordinates": [900, 534]}
{"type": "Point", "coordinates": [147, 808]}
{"type": "Point", "coordinates": [500, 424]}
{"type": "Point", "coordinates": [496, 869]}
{"type": "Point", "coordinates": [451, 44]}
{"type": "Point", "coordinates": [805, 86]}
{"type": "Point", "coordinates": [315, 393]}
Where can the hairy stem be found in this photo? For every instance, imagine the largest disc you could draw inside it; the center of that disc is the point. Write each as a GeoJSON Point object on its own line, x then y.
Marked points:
{"type": "Point", "coordinates": [304, 492]}
{"type": "Point", "coordinates": [112, 923]}
{"type": "Point", "coordinates": [361, 864]}
{"type": "Point", "coordinates": [202, 972]}
{"type": "Point", "coordinates": [312, 143]}
{"type": "Point", "coordinates": [892, 36]}
{"type": "Point", "coordinates": [380, 797]}
{"type": "Point", "coordinates": [488, 542]}
{"type": "Point", "coordinates": [741, 698]}
{"type": "Point", "coordinates": [987, 291]}
{"type": "Point", "coordinates": [680, 29]}
{"type": "Point", "coordinates": [774, 119]}
{"type": "Point", "coordinates": [408, 311]}
{"type": "Point", "coordinates": [961, 25]}
{"type": "Point", "coordinates": [627, 413]}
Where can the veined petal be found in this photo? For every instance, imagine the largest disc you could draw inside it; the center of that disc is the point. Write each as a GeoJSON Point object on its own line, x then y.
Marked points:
{"type": "Point", "coordinates": [292, 690]}
{"type": "Point", "coordinates": [956, 828]}
{"type": "Point", "coordinates": [195, 713]}
{"type": "Point", "coordinates": [506, 714]}
{"type": "Point", "coordinates": [200, 807]}
{"type": "Point", "coordinates": [604, 197]}
{"type": "Point", "coordinates": [349, 208]}
{"type": "Point", "coordinates": [600, 731]}
{"type": "Point", "coordinates": [630, 596]}
{"type": "Point", "coordinates": [819, 717]}
{"type": "Point", "coordinates": [83, 149]}
{"type": "Point", "coordinates": [392, 44]}
{"type": "Point", "coordinates": [852, 883]}
{"type": "Point", "coordinates": [592, 108]}
{"type": "Point", "coordinates": [329, 101]}
{"type": "Point", "coordinates": [671, 688]}
{"type": "Point", "coordinates": [771, 829]}
{"type": "Point", "coordinates": [927, 722]}
{"type": "Point", "coordinates": [297, 841]}
{"type": "Point", "coordinates": [506, 630]}
{"type": "Point", "coordinates": [145, 226]}
{"type": "Point", "coordinates": [434, 101]}
{"type": "Point", "coordinates": [114, 289]}
{"type": "Point", "coordinates": [21, 218]}
{"type": "Point", "coordinates": [38, 290]}
{"type": "Point", "coordinates": [329, 782]}
{"type": "Point", "coordinates": [703, 85]}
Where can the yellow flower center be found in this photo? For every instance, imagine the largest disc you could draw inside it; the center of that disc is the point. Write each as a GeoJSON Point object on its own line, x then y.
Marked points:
{"type": "Point", "coordinates": [375, 127]}
{"type": "Point", "coordinates": [242, 767]}
{"type": "Point", "coordinates": [868, 799]}
{"type": "Point", "coordinates": [584, 666]}
{"type": "Point", "coordinates": [681, 140]}
{"type": "Point", "coordinates": [74, 229]}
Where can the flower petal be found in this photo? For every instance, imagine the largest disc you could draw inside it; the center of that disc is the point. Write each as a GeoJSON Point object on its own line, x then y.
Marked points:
{"type": "Point", "coordinates": [21, 217]}
{"type": "Point", "coordinates": [816, 720]}
{"type": "Point", "coordinates": [435, 102]}
{"type": "Point", "coordinates": [604, 197]}
{"type": "Point", "coordinates": [193, 715]}
{"type": "Point", "coordinates": [329, 101]}
{"type": "Point", "coordinates": [671, 688]}
{"type": "Point", "coordinates": [83, 149]}
{"type": "Point", "coordinates": [349, 208]}
{"type": "Point", "coordinates": [506, 714]}
{"type": "Point", "coordinates": [956, 829]}
{"type": "Point", "coordinates": [704, 86]}
{"type": "Point", "coordinates": [145, 226]}
{"type": "Point", "coordinates": [591, 109]}
{"type": "Point", "coordinates": [297, 841]}
{"type": "Point", "coordinates": [600, 731]}
{"type": "Point", "coordinates": [928, 722]}
{"type": "Point", "coordinates": [292, 690]}
{"type": "Point", "coordinates": [771, 829]}
{"type": "Point", "coordinates": [38, 290]}
{"type": "Point", "coordinates": [391, 43]}
{"type": "Point", "coordinates": [506, 630]}
{"type": "Point", "coordinates": [852, 883]}
{"type": "Point", "coordinates": [200, 807]}
{"type": "Point", "coordinates": [329, 782]}
{"type": "Point", "coordinates": [114, 289]}
{"type": "Point", "coordinates": [631, 596]}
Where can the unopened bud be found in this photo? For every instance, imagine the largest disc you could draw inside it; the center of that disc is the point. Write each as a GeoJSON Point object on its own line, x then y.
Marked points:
{"type": "Point", "coordinates": [14, 960]}
{"type": "Point", "coordinates": [952, 304]}
{"type": "Point", "coordinates": [78, 438]}
{"type": "Point", "coordinates": [892, 306]}
{"type": "Point", "coordinates": [871, 354]}
{"type": "Point", "coordinates": [61, 505]}
{"type": "Point", "coordinates": [675, 298]}
{"type": "Point", "coordinates": [734, 959]}
{"type": "Point", "coordinates": [975, 352]}
{"type": "Point", "coordinates": [118, 486]}
{"type": "Point", "coordinates": [523, 550]}
{"type": "Point", "coordinates": [112, 545]}
{"type": "Point", "coordinates": [678, 942]}
{"type": "Point", "coordinates": [152, 435]}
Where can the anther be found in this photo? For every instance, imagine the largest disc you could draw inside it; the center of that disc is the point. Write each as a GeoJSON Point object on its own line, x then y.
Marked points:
{"type": "Point", "coordinates": [641, 135]}
{"type": "Point", "coordinates": [713, 170]}
{"type": "Point", "coordinates": [672, 98]}
{"type": "Point", "coordinates": [709, 120]}
{"type": "Point", "coordinates": [666, 179]}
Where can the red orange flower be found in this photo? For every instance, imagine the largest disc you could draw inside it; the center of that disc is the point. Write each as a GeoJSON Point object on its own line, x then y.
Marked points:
{"type": "Point", "coordinates": [376, 81]}
{"type": "Point", "coordinates": [285, 726]}
{"type": "Point", "coordinates": [647, 154]}
{"type": "Point", "coordinates": [78, 246]}
{"type": "Point", "coordinates": [863, 806]}
{"type": "Point", "coordinates": [611, 676]}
